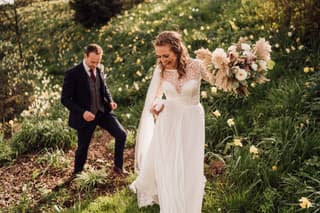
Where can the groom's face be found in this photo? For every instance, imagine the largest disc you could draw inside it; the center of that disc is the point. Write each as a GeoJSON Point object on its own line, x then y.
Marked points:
{"type": "Point", "coordinates": [166, 57]}
{"type": "Point", "coordinates": [92, 60]}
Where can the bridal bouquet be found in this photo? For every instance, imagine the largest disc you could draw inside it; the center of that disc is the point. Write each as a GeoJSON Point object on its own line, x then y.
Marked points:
{"type": "Point", "coordinates": [242, 64]}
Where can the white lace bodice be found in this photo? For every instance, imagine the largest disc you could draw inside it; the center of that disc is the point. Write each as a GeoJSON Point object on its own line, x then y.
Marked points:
{"type": "Point", "coordinates": [187, 88]}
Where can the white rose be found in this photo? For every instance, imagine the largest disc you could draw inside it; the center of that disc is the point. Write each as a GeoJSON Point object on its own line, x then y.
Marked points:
{"type": "Point", "coordinates": [254, 66]}
{"type": "Point", "coordinates": [245, 46]}
{"type": "Point", "coordinates": [241, 74]}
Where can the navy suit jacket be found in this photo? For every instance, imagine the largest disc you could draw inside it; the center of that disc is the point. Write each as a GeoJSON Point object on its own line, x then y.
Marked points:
{"type": "Point", "coordinates": [76, 94]}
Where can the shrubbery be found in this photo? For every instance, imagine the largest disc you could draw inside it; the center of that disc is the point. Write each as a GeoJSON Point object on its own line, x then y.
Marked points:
{"type": "Point", "coordinates": [90, 13]}
{"type": "Point", "coordinates": [35, 136]}
{"type": "Point", "coordinates": [277, 118]}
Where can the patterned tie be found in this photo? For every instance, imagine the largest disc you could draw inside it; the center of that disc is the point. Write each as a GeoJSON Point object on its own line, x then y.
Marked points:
{"type": "Point", "coordinates": [92, 76]}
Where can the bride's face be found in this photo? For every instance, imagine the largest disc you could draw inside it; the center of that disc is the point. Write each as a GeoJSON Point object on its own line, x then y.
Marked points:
{"type": "Point", "coordinates": [166, 57]}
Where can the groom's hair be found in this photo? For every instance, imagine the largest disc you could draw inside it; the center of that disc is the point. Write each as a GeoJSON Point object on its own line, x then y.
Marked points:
{"type": "Point", "coordinates": [93, 48]}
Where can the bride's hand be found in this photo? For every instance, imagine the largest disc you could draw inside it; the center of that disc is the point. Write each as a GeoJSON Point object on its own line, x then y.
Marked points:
{"type": "Point", "coordinates": [156, 109]}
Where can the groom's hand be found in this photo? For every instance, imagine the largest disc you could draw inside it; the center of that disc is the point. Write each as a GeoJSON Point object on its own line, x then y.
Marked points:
{"type": "Point", "coordinates": [88, 116]}
{"type": "Point", "coordinates": [156, 111]}
{"type": "Point", "coordinates": [113, 105]}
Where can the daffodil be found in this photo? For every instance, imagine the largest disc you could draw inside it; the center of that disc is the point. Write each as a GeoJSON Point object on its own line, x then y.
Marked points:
{"type": "Point", "coordinates": [237, 142]}
{"type": "Point", "coordinates": [216, 113]}
{"type": "Point", "coordinates": [305, 203]}
{"type": "Point", "coordinates": [214, 90]}
{"type": "Point", "coordinates": [253, 150]}
{"type": "Point", "coordinates": [204, 94]}
{"type": "Point", "coordinates": [230, 122]}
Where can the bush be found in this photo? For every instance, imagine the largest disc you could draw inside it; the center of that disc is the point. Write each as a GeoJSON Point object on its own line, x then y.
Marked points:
{"type": "Point", "coordinates": [6, 153]}
{"type": "Point", "coordinates": [90, 13]}
{"type": "Point", "coordinates": [14, 74]}
{"type": "Point", "coordinates": [35, 136]}
{"type": "Point", "coordinates": [303, 14]}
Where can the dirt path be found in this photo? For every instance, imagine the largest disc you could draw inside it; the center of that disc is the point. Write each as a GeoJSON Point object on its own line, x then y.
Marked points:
{"type": "Point", "coordinates": [27, 178]}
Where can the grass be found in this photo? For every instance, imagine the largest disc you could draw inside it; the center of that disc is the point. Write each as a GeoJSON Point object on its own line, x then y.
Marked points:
{"type": "Point", "coordinates": [122, 201]}
{"type": "Point", "coordinates": [276, 117]}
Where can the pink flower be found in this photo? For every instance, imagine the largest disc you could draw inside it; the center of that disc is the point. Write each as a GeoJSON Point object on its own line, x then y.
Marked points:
{"type": "Point", "coordinates": [262, 49]}
{"type": "Point", "coordinates": [205, 55]}
{"type": "Point", "coordinates": [219, 58]}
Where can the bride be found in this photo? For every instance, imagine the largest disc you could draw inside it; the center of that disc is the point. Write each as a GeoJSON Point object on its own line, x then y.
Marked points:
{"type": "Point", "coordinates": [170, 149]}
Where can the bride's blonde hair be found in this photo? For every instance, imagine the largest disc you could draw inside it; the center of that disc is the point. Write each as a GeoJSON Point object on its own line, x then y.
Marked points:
{"type": "Point", "coordinates": [173, 39]}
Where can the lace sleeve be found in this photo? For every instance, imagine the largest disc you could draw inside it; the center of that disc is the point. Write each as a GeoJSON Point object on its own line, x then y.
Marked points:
{"type": "Point", "coordinates": [206, 74]}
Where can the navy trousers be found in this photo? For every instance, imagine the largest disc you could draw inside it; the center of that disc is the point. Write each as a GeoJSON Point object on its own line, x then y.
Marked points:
{"type": "Point", "coordinates": [109, 122]}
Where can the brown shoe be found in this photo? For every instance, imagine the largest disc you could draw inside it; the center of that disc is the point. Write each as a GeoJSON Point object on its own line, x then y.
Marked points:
{"type": "Point", "coordinates": [120, 171]}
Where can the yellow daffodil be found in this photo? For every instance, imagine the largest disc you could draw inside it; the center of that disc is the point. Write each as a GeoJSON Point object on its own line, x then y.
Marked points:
{"type": "Point", "coordinates": [217, 113]}
{"type": "Point", "coordinates": [306, 69]}
{"type": "Point", "coordinates": [305, 203]}
{"type": "Point", "coordinates": [138, 73]}
{"type": "Point", "coordinates": [204, 94]}
{"type": "Point", "coordinates": [274, 168]}
{"type": "Point", "coordinates": [11, 122]}
{"type": "Point", "coordinates": [214, 90]}
{"type": "Point", "coordinates": [253, 150]}
{"type": "Point", "coordinates": [230, 122]}
{"type": "Point", "coordinates": [237, 142]}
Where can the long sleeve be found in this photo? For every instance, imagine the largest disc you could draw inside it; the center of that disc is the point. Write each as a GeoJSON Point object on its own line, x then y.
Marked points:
{"type": "Point", "coordinates": [68, 93]}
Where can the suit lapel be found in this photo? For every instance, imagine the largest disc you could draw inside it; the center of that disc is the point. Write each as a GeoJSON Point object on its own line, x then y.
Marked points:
{"type": "Point", "coordinates": [102, 83]}
{"type": "Point", "coordinates": [84, 83]}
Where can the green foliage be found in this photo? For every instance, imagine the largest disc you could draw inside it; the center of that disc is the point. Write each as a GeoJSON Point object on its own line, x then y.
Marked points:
{"type": "Point", "coordinates": [54, 201]}
{"type": "Point", "coordinates": [87, 180]}
{"type": "Point", "coordinates": [302, 14]}
{"type": "Point", "coordinates": [279, 117]}
{"type": "Point", "coordinates": [35, 136]}
{"type": "Point", "coordinates": [54, 159]}
{"type": "Point", "coordinates": [312, 97]}
{"type": "Point", "coordinates": [131, 140]}
{"type": "Point", "coordinates": [15, 73]}
{"type": "Point", "coordinates": [90, 13]}
{"type": "Point", "coordinates": [6, 152]}
{"type": "Point", "coordinates": [121, 201]}
{"type": "Point", "coordinates": [24, 201]}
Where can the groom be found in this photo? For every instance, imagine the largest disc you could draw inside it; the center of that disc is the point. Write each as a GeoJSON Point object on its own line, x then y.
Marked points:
{"type": "Point", "coordinates": [89, 101]}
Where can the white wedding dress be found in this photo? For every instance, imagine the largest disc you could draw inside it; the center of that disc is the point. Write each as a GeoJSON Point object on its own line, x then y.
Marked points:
{"type": "Point", "coordinates": [170, 161]}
